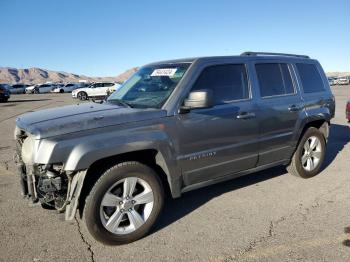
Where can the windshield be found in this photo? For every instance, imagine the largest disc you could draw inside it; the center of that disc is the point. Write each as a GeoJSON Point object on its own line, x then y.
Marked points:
{"type": "Point", "coordinates": [151, 86]}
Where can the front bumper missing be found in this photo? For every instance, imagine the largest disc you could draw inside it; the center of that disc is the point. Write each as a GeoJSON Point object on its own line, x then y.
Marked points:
{"type": "Point", "coordinates": [28, 187]}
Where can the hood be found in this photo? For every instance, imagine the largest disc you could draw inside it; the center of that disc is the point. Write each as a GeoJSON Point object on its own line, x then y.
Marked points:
{"type": "Point", "coordinates": [81, 117]}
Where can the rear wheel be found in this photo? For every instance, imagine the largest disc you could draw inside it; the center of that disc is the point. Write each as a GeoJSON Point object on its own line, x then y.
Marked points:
{"type": "Point", "coordinates": [82, 96]}
{"type": "Point", "coordinates": [61, 91]}
{"type": "Point", "coordinates": [124, 203]}
{"type": "Point", "coordinates": [309, 155]}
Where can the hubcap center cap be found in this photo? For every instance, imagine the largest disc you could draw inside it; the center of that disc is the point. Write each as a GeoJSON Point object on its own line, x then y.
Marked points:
{"type": "Point", "coordinates": [127, 204]}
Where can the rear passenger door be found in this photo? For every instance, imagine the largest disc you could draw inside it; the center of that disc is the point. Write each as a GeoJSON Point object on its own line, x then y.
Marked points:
{"type": "Point", "coordinates": [317, 97]}
{"type": "Point", "coordinates": [279, 105]}
{"type": "Point", "coordinates": [221, 140]}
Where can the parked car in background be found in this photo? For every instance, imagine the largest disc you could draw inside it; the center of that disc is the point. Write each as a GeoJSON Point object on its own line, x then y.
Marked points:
{"type": "Point", "coordinates": [4, 92]}
{"type": "Point", "coordinates": [95, 91]}
{"type": "Point", "coordinates": [44, 88]}
{"type": "Point", "coordinates": [67, 88]}
{"type": "Point", "coordinates": [18, 89]}
{"type": "Point", "coordinates": [331, 81]}
{"type": "Point", "coordinates": [30, 89]}
{"type": "Point", "coordinates": [347, 111]}
{"type": "Point", "coordinates": [343, 81]}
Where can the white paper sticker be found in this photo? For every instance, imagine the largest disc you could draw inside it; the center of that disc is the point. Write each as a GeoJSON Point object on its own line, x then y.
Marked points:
{"type": "Point", "coordinates": [164, 72]}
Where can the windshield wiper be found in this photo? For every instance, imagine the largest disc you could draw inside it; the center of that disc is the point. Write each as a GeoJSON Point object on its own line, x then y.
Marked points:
{"type": "Point", "coordinates": [121, 102]}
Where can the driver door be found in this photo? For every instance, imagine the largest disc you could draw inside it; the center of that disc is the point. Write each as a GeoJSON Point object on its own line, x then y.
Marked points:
{"type": "Point", "coordinates": [221, 140]}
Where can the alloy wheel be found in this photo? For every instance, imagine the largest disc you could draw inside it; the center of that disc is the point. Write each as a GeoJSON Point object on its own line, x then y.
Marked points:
{"type": "Point", "coordinates": [312, 152]}
{"type": "Point", "coordinates": [126, 205]}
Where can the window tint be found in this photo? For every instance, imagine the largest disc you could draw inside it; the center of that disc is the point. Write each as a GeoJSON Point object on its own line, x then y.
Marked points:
{"type": "Point", "coordinates": [228, 82]}
{"type": "Point", "coordinates": [310, 78]}
{"type": "Point", "coordinates": [274, 79]}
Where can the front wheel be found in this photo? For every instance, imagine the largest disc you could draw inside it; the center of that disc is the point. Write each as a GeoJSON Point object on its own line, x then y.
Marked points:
{"type": "Point", "coordinates": [82, 96]}
{"type": "Point", "coordinates": [309, 155]}
{"type": "Point", "coordinates": [124, 204]}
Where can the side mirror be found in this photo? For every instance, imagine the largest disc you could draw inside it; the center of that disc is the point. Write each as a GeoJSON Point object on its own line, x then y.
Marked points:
{"type": "Point", "coordinates": [197, 99]}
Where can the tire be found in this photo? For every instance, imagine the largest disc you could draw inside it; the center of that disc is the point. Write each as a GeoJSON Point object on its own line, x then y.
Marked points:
{"type": "Point", "coordinates": [36, 91]}
{"type": "Point", "coordinates": [82, 96]}
{"type": "Point", "coordinates": [99, 210]}
{"type": "Point", "coordinates": [301, 168]}
{"type": "Point", "coordinates": [61, 91]}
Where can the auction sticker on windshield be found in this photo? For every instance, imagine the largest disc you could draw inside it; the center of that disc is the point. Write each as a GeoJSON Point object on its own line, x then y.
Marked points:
{"type": "Point", "coordinates": [164, 72]}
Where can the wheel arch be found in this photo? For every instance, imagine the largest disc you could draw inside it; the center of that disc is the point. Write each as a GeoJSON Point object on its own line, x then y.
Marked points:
{"type": "Point", "coordinates": [150, 157]}
{"type": "Point", "coordinates": [321, 124]}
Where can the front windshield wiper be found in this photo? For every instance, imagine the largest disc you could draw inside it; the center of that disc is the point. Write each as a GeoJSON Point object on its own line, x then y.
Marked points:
{"type": "Point", "coordinates": [120, 102]}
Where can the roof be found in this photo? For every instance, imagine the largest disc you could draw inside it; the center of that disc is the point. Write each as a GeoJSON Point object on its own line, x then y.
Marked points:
{"type": "Point", "coordinates": [246, 56]}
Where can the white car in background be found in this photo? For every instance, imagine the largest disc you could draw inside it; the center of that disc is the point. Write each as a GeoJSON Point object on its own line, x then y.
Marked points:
{"type": "Point", "coordinates": [40, 89]}
{"type": "Point", "coordinates": [343, 81]}
{"type": "Point", "coordinates": [331, 81]}
{"type": "Point", "coordinates": [95, 91]}
{"type": "Point", "coordinates": [67, 88]}
{"type": "Point", "coordinates": [30, 89]}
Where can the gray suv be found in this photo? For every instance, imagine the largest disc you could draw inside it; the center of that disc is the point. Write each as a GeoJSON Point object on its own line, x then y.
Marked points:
{"type": "Point", "coordinates": [174, 126]}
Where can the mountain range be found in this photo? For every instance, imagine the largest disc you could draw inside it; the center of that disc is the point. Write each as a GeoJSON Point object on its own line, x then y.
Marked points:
{"type": "Point", "coordinates": [38, 76]}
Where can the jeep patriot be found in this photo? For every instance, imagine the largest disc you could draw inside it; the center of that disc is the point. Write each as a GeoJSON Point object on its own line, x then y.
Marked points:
{"type": "Point", "coordinates": [174, 126]}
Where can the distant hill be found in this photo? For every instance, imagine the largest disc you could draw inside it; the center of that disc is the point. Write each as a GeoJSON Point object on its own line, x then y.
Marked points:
{"type": "Point", "coordinates": [337, 74]}
{"type": "Point", "coordinates": [38, 76]}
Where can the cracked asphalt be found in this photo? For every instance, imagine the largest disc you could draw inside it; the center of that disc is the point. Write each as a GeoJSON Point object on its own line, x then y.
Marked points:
{"type": "Point", "coordinates": [266, 216]}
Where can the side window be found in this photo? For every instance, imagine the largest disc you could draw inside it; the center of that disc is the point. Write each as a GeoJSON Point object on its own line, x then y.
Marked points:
{"type": "Point", "coordinates": [310, 78]}
{"type": "Point", "coordinates": [274, 79]}
{"type": "Point", "coordinates": [228, 82]}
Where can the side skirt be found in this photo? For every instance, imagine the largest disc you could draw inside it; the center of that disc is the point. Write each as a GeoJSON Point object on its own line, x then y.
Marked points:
{"type": "Point", "coordinates": [234, 175]}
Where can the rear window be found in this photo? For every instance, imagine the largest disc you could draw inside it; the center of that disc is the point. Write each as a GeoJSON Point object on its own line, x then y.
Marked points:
{"type": "Point", "coordinates": [274, 79]}
{"type": "Point", "coordinates": [310, 78]}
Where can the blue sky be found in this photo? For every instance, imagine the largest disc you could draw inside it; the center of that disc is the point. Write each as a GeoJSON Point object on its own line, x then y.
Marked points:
{"type": "Point", "coordinates": [104, 38]}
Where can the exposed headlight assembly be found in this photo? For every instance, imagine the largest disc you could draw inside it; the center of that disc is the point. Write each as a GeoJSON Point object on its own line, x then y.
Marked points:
{"type": "Point", "coordinates": [28, 150]}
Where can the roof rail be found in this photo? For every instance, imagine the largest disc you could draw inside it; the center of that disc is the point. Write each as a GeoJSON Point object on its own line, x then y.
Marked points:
{"type": "Point", "coordinates": [272, 54]}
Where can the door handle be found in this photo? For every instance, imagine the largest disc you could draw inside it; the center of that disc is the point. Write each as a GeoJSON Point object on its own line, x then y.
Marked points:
{"type": "Point", "coordinates": [245, 115]}
{"type": "Point", "coordinates": [293, 108]}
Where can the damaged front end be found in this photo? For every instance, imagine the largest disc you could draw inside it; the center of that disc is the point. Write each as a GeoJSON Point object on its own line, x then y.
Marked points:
{"type": "Point", "coordinates": [47, 184]}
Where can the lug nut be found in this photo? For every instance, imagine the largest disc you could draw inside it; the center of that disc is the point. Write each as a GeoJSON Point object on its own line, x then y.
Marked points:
{"type": "Point", "coordinates": [121, 202]}
{"type": "Point", "coordinates": [127, 198]}
{"type": "Point", "coordinates": [130, 209]}
{"type": "Point", "coordinates": [121, 210]}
